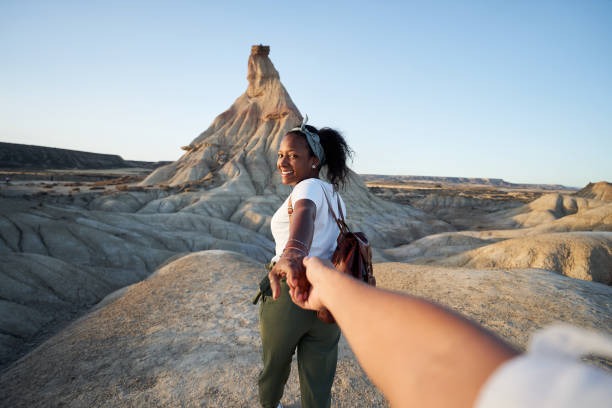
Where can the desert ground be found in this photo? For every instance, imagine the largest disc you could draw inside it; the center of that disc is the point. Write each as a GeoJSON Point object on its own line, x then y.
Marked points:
{"type": "Point", "coordinates": [133, 286]}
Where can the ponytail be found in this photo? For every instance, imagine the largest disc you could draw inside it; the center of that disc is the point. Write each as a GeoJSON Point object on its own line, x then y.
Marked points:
{"type": "Point", "coordinates": [336, 151]}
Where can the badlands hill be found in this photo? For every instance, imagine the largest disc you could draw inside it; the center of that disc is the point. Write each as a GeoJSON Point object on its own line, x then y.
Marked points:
{"type": "Point", "coordinates": [137, 292]}
{"type": "Point", "coordinates": [599, 191]}
{"type": "Point", "coordinates": [378, 179]}
{"type": "Point", "coordinates": [21, 156]}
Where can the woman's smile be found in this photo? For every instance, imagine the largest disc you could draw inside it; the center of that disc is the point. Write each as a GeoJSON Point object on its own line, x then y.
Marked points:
{"type": "Point", "coordinates": [295, 161]}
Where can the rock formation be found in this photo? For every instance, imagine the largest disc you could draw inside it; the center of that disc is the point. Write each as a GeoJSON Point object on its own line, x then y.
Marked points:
{"type": "Point", "coordinates": [563, 233]}
{"type": "Point", "coordinates": [22, 156]}
{"type": "Point", "coordinates": [466, 181]}
{"type": "Point", "coordinates": [242, 141]}
{"type": "Point", "coordinates": [56, 261]}
{"type": "Point", "coordinates": [548, 208]}
{"type": "Point", "coordinates": [580, 255]}
{"type": "Point", "coordinates": [600, 191]}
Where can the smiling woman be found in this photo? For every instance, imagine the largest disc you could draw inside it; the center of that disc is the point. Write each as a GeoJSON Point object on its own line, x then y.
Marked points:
{"type": "Point", "coordinates": [302, 226]}
{"type": "Point", "coordinates": [295, 162]}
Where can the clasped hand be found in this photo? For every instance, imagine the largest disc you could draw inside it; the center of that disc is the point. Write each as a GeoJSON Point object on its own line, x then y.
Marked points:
{"type": "Point", "coordinates": [289, 266]}
{"type": "Point", "coordinates": [300, 272]}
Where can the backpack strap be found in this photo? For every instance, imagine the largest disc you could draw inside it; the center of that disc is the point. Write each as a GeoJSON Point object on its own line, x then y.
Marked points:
{"type": "Point", "coordinates": [340, 221]}
{"type": "Point", "coordinates": [340, 207]}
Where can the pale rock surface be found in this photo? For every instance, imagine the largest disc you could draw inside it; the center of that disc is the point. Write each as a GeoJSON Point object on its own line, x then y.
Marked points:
{"type": "Point", "coordinates": [242, 141]}
{"type": "Point", "coordinates": [598, 218]}
{"type": "Point", "coordinates": [37, 291]}
{"type": "Point", "coordinates": [434, 202]}
{"type": "Point", "coordinates": [436, 246]}
{"type": "Point", "coordinates": [601, 190]}
{"type": "Point", "coordinates": [188, 335]}
{"type": "Point", "coordinates": [576, 245]}
{"type": "Point", "coordinates": [580, 255]}
{"type": "Point", "coordinates": [548, 208]}
{"type": "Point", "coordinates": [21, 156]}
{"type": "Point", "coordinates": [56, 261]}
{"type": "Point", "coordinates": [511, 302]}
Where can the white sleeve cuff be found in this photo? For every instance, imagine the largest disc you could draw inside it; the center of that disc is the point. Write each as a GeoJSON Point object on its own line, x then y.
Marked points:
{"type": "Point", "coordinates": [551, 375]}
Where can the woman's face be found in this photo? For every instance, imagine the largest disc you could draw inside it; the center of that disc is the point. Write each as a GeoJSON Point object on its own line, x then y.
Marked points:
{"type": "Point", "coordinates": [295, 160]}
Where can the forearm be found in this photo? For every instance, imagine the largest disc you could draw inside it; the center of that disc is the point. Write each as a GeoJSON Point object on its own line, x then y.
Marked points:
{"type": "Point", "coordinates": [301, 232]}
{"type": "Point", "coordinates": [417, 353]}
{"type": "Point", "coordinates": [301, 227]}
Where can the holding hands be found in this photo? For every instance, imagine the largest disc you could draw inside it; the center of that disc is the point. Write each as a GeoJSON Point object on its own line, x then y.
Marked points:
{"type": "Point", "coordinates": [289, 266]}
{"type": "Point", "coordinates": [310, 297]}
{"type": "Point", "coordinates": [303, 276]}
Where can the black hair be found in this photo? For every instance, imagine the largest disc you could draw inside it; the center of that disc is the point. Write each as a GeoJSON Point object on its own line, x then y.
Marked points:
{"type": "Point", "coordinates": [337, 152]}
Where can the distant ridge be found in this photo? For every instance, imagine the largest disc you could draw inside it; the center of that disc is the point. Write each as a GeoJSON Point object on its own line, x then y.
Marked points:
{"type": "Point", "coordinates": [22, 156]}
{"type": "Point", "coordinates": [377, 178]}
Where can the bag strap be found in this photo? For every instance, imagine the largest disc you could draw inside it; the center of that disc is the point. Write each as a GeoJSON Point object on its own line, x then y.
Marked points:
{"type": "Point", "coordinates": [340, 221]}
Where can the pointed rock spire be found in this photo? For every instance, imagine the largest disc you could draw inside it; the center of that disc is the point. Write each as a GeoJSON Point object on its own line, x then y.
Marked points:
{"type": "Point", "coordinates": [244, 137]}
{"type": "Point", "coordinates": [261, 71]}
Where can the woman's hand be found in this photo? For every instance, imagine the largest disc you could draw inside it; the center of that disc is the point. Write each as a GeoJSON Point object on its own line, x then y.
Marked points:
{"type": "Point", "coordinates": [289, 266]}
{"type": "Point", "coordinates": [316, 270]}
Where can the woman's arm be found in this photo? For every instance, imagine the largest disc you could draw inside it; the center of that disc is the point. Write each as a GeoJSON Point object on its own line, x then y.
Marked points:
{"type": "Point", "coordinates": [417, 353]}
{"type": "Point", "coordinates": [301, 231]}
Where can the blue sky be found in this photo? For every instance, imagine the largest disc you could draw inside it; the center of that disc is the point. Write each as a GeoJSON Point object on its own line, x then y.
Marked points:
{"type": "Point", "coordinates": [519, 90]}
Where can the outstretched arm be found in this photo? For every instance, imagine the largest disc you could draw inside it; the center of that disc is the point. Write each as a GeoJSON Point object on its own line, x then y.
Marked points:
{"type": "Point", "coordinates": [301, 231]}
{"type": "Point", "coordinates": [416, 352]}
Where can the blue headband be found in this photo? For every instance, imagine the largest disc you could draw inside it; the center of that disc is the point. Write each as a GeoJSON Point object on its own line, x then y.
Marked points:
{"type": "Point", "coordinates": [313, 140]}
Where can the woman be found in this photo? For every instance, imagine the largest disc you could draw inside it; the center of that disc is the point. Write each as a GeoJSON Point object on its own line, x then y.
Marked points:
{"type": "Point", "coordinates": [302, 226]}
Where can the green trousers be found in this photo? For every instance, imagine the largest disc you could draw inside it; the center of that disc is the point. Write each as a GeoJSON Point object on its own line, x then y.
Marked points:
{"type": "Point", "coordinates": [285, 327]}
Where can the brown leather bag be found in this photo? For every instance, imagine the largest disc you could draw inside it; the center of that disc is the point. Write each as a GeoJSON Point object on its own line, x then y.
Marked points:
{"type": "Point", "coordinates": [352, 256]}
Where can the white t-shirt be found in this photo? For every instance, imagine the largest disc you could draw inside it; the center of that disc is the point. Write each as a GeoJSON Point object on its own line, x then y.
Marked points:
{"type": "Point", "coordinates": [551, 374]}
{"type": "Point", "coordinates": [325, 228]}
